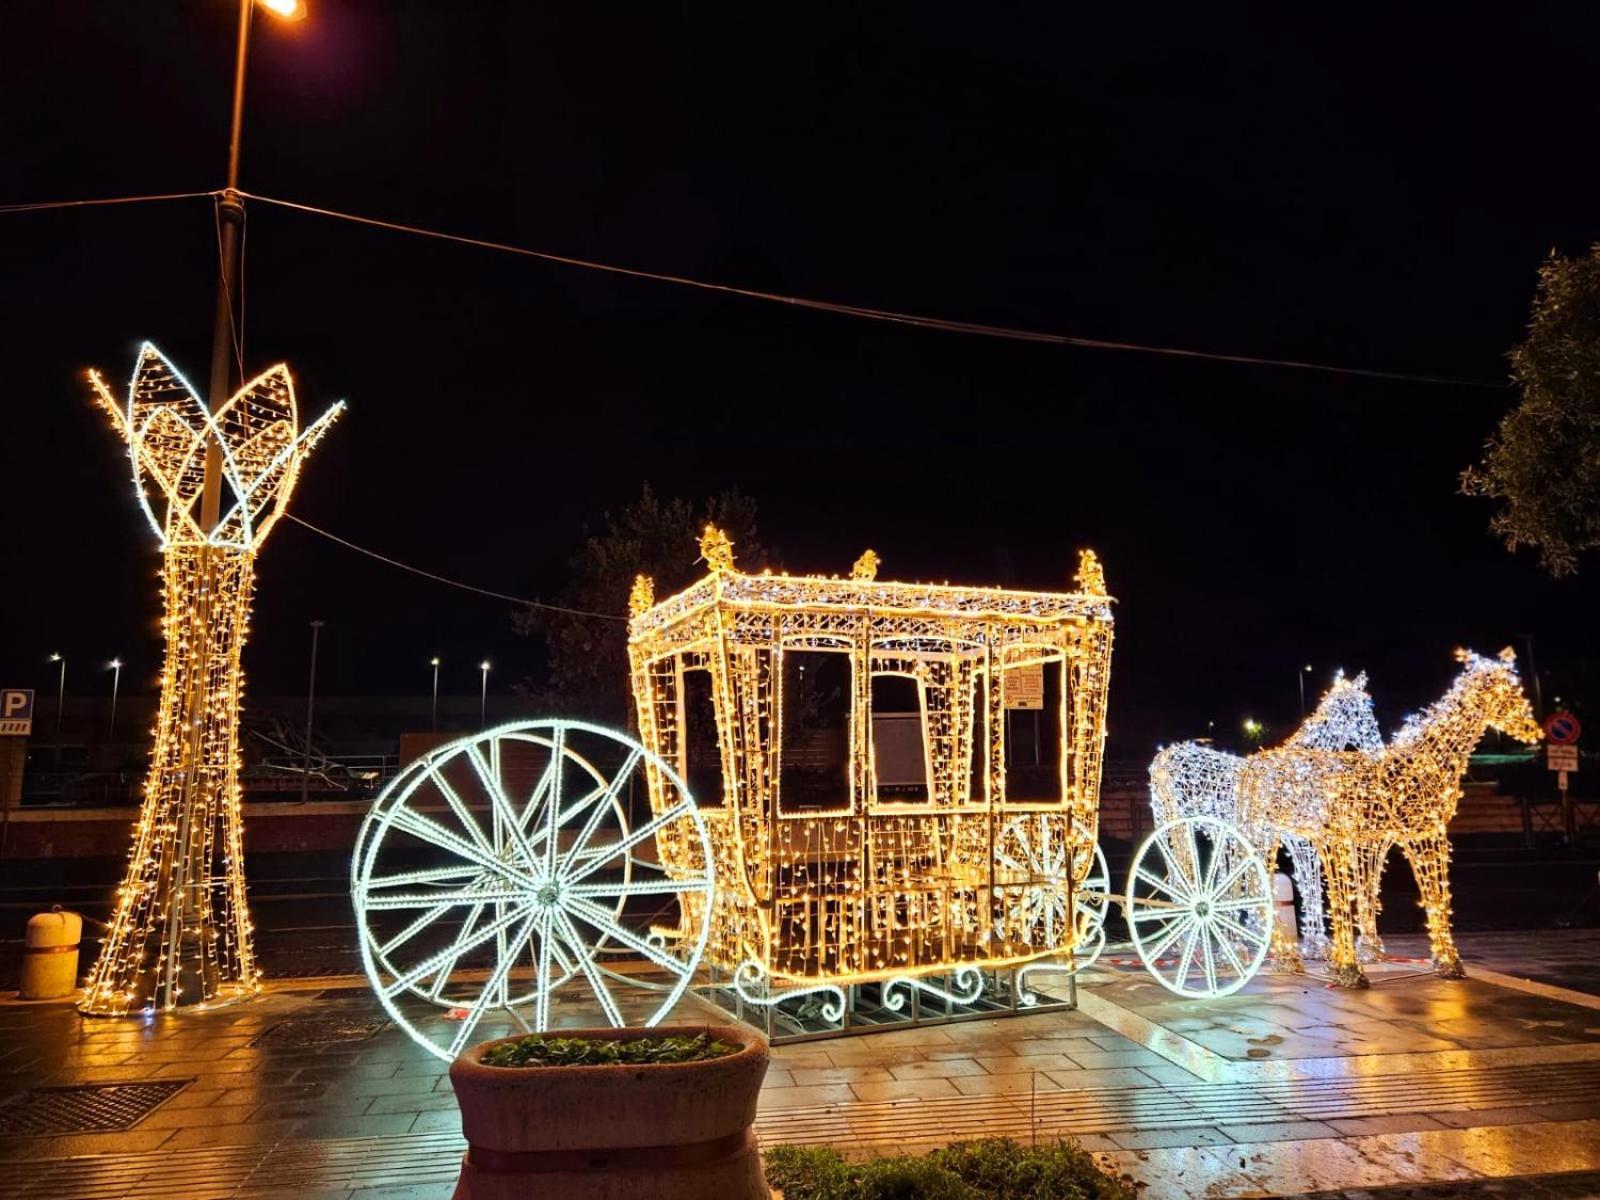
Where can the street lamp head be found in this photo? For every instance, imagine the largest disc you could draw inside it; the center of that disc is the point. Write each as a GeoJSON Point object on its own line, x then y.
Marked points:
{"type": "Point", "coordinates": [115, 664]}
{"type": "Point", "coordinates": [286, 10]}
{"type": "Point", "coordinates": [1306, 668]}
{"type": "Point", "coordinates": [55, 658]}
{"type": "Point", "coordinates": [484, 665]}
{"type": "Point", "coordinates": [434, 661]}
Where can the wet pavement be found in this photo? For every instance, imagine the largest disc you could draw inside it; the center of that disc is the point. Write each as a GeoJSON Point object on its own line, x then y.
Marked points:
{"type": "Point", "coordinates": [1288, 1088]}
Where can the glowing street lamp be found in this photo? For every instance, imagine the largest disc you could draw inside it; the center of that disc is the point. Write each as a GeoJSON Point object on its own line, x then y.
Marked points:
{"type": "Point", "coordinates": [288, 10]}
{"type": "Point", "coordinates": [434, 662]}
{"type": "Point", "coordinates": [483, 695]}
{"type": "Point", "coordinates": [114, 666]}
{"type": "Point", "coordinates": [1301, 675]}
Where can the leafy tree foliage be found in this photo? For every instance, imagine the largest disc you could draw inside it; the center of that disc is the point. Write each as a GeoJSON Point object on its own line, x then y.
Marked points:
{"type": "Point", "coordinates": [1543, 462]}
{"type": "Point", "coordinates": [588, 655]}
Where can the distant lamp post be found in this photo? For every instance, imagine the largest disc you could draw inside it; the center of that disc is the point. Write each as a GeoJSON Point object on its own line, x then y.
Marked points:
{"type": "Point", "coordinates": [1252, 730]}
{"type": "Point", "coordinates": [61, 695]}
{"type": "Point", "coordinates": [483, 696]}
{"type": "Point", "coordinates": [311, 705]}
{"type": "Point", "coordinates": [115, 667]}
{"type": "Point", "coordinates": [434, 663]}
{"type": "Point", "coordinates": [1303, 672]}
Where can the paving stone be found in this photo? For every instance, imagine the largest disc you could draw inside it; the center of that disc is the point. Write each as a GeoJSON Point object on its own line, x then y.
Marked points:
{"type": "Point", "coordinates": [944, 1068]}
{"type": "Point", "coordinates": [809, 1076]}
{"type": "Point", "coordinates": [904, 1089]}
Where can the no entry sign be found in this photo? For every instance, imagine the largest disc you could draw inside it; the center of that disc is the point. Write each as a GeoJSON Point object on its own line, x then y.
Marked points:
{"type": "Point", "coordinates": [1562, 728]}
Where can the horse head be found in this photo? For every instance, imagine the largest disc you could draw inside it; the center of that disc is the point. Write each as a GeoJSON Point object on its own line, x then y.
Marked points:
{"type": "Point", "coordinates": [1499, 690]}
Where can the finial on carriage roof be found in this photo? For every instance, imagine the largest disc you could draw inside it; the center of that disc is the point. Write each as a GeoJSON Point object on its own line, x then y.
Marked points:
{"type": "Point", "coordinates": [865, 567]}
{"type": "Point", "coordinates": [716, 549]}
{"type": "Point", "coordinates": [642, 596]}
{"type": "Point", "coordinates": [1091, 578]}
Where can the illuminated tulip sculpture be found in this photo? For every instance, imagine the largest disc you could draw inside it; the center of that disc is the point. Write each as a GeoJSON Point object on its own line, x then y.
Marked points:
{"type": "Point", "coordinates": [180, 932]}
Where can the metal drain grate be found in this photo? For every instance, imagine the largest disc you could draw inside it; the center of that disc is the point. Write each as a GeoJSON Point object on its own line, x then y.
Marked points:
{"type": "Point", "coordinates": [321, 1030]}
{"type": "Point", "coordinates": [92, 1108]}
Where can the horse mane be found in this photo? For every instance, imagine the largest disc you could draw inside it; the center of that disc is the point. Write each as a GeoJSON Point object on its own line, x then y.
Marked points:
{"type": "Point", "coordinates": [1472, 665]}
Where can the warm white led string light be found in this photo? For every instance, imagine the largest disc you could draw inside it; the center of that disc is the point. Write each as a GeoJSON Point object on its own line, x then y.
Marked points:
{"type": "Point", "coordinates": [180, 930]}
{"type": "Point", "coordinates": [880, 890]}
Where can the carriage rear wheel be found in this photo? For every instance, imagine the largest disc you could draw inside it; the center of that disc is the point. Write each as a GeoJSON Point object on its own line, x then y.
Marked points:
{"type": "Point", "coordinates": [1199, 906]}
{"type": "Point", "coordinates": [524, 866]}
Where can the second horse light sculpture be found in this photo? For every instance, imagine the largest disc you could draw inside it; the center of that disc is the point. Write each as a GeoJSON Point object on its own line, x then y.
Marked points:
{"type": "Point", "coordinates": [1352, 805]}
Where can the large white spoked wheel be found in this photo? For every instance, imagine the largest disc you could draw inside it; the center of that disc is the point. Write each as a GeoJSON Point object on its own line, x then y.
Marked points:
{"type": "Point", "coordinates": [525, 866]}
{"type": "Point", "coordinates": [1199, 906]}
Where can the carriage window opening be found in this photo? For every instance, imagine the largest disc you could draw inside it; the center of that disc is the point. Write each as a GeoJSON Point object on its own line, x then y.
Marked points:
{"type": "Point", "coordinates": [814, 731]}
{"type": "Point", "coordinates": [978, 752]}
{"type": "Point", "coordinates": [699, 757]}
{"type": "Point", "coordinates": [1033, 732]}
{"type": "Point", "coordinates": [899, 758]}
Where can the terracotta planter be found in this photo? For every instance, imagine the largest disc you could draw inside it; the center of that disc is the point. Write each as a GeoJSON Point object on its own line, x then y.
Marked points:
{"type": "Point", "coordinates": [667, 1131]}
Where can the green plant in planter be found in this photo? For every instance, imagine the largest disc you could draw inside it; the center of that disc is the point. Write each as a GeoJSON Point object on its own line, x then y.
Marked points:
{"type": "Point", "coordinates": [991, 1169]}
{"type": "Point", "coordinates": [542, 1050]}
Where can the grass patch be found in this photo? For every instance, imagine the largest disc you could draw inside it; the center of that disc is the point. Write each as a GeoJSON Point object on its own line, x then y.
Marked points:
{"type": "Point", "coordinates": [991, 1169]}
{"type": "Point", "coordinates": [541, 1050]}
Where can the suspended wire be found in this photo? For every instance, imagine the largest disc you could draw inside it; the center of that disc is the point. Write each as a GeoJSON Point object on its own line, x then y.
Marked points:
{"type": "Point", "coordinates": [875, 314]}
{"type": "Point", "coordinates": [455, 583]}
{"type": "Point", "coordinates": [864, 312]}
{"type": "Point", "coordinates": [101, 203]}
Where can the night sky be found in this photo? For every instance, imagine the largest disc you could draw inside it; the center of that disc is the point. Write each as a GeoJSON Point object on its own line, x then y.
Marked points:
{"type": "Point", "coordinates": [1365, 187]}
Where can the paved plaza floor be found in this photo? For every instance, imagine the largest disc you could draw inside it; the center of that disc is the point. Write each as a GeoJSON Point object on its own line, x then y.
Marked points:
{"type": "Point", "coordinates": [1416, 1087]}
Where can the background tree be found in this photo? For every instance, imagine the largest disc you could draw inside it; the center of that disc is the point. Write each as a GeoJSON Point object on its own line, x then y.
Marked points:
{"type": "Point", "coordinates": [588, 657]}
{"type": "Point", "coordinates": [1543, 462]}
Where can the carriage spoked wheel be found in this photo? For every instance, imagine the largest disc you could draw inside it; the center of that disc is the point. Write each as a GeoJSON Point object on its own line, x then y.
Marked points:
{"type": "Point", "coordinates": [524, 866]}
{"type": "Point", "coordinates": [1199, 906]}
{"type": "Point", "coordinates": [1038, 848]}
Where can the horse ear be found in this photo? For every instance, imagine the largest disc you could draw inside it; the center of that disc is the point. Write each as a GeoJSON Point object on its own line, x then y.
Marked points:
{"type": "Point", "coordinates": [1508, 656]}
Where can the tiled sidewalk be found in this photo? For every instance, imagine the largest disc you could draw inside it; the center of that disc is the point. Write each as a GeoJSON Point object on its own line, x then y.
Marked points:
{"type": "Point", "coordinates": [1286, 1088]}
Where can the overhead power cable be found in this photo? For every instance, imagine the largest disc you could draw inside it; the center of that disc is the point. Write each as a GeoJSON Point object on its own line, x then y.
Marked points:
{"type": "Point", "coordinates": [455, 583]}
{"type": "Point", "coordinates": [105, 202]}
{"type": "Point", "coordinates": [873, 314]}
{"type": "Point", "coordinates": [890, 316]}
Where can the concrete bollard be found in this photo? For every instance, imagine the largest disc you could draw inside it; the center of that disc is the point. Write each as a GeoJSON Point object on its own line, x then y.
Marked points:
{"type": "Point", "coordinates": [50, 955]}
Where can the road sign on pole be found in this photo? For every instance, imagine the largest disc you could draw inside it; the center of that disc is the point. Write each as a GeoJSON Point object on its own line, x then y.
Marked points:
{"type": "Point", "coordinates": [1561, 758]}
{"type": "Point", "coordinates": [1562, 728]}
{"type": "Point", "coordinates": [16, 712]}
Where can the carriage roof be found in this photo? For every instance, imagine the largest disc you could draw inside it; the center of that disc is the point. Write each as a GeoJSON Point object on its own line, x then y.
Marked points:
{"type": "Point", "coordinates": [862, 592]}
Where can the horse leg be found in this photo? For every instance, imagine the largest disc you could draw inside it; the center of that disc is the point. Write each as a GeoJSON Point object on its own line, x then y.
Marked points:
{"type": "Point", "coordinates": [1430, 863]}
{"type": "Point", "coordinates": [1308, 878]}
{"type": "Point", "coordinates": [1370, 859]}
{"type": "Point", "coordinates": [1339, 866]}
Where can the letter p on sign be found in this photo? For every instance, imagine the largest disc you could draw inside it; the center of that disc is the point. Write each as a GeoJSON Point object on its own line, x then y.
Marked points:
{"type": "Point", "coordinates": [16, 712]}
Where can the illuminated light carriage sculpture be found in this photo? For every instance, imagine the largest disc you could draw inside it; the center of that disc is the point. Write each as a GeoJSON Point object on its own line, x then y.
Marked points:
{"type": "Point", "coordinates": [553, 862]}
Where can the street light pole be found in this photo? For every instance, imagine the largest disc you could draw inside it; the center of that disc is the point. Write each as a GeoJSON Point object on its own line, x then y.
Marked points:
{"type": "Point", "coordinates": [311, 704]}
{"type": "Point", "coordinates": [116, 684]}
{"type": "Point", "coordinates": [1302, 673]}
{"type": "Point", "coordinates": [61, 696]}
{"type": "Point", "coordinates": [483, 695]}
{"type": "Point", "coordinates": [435, 662]}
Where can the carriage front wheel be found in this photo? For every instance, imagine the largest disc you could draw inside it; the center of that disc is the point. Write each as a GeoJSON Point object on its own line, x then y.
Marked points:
{"type": "Point", "coordinates": [1199, 906]}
